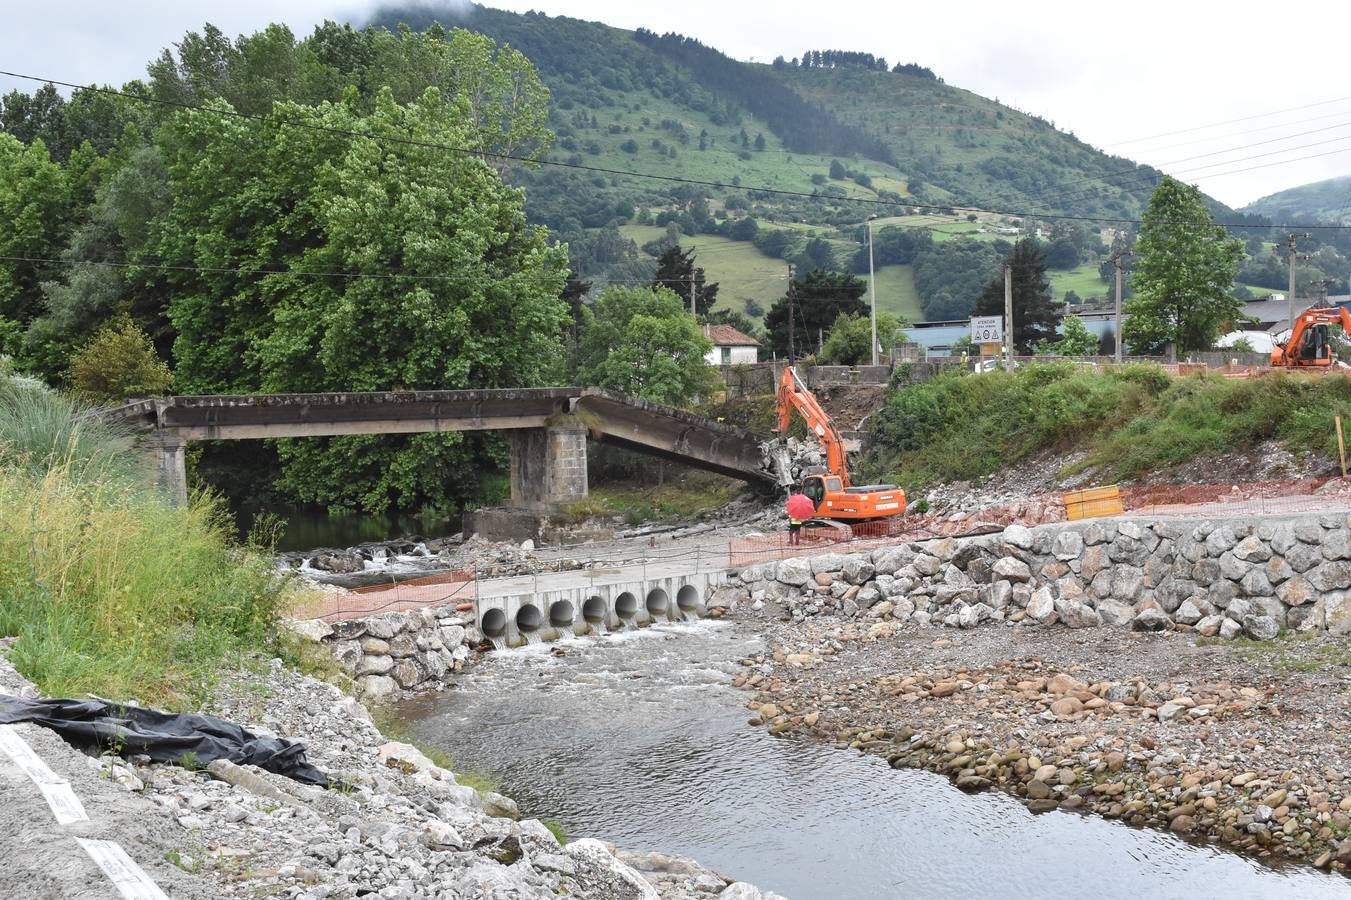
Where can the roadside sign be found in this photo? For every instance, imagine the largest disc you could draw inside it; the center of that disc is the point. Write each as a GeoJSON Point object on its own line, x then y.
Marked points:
{"type": "Point", "coordinates": [987, 330]}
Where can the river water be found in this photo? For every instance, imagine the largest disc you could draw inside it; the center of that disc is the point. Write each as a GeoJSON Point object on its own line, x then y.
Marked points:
{"type": "Point", "coordinates": [639, 739]}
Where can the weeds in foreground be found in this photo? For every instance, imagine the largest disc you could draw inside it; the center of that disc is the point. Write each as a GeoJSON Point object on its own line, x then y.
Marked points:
{"type": "Point", "coordinates": [1290, 651]}
{"type": "Point", "coordinates": [556, 829]}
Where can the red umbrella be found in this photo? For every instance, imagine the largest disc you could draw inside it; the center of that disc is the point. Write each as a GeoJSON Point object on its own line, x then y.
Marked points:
{"type": "Point", "coordinates": [800, 507]}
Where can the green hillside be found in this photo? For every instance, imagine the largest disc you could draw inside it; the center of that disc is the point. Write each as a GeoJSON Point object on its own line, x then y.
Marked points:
{"type": "Point", "coordinates": [1327, 202]}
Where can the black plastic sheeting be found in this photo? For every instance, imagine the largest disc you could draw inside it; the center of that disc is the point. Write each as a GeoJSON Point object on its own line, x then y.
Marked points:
{"type": "Point", "coordinates": [165, 737]}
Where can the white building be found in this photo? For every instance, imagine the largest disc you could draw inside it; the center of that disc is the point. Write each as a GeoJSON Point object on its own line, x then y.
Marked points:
{"type": "Point", "coordinates": [730, 347]}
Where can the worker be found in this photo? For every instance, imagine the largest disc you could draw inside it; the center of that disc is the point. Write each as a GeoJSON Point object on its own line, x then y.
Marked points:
{"type": "Point", "coordinates": [800, 508]}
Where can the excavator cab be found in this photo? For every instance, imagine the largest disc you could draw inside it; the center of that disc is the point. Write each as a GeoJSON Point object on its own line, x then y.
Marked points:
{"type": "Point", "coordinates": [1316, 347]}
{"type": "Point", "coordinates": [814, 486]}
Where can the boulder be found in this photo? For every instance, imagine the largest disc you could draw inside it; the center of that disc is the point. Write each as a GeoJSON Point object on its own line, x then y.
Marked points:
{"type": "Point", "coordinates": [1330, 576]}
{"type": "Point", "coordinates": [1256, 584]}
{"type": "Point", "coordinates": [1337, 613]}
{"type": "Point", "coordinates": [1337, 543]}
{"type": "Point", "coordinates": [310, 629]}
{"type": "Point", "coordinates": [386, 625]}
{"type": "Point", "coordinates": [1041, 607]}
{"type": "Point", "coordinates": [374, 665]}
{"type": "Point", "coordinates": [796, 571]}
{"type": "Point", "coordinates": [1019, 536]}
{"type": "Point", "coordinates": [857, 570]}
{"type": "Point", "coordinates": [376, 687]}
{"type": "Point", "coordinates": [1076, 614]}
{"type": "Point", "coordinates": [888, 560]}
{"type": "Point", "coordinates": [1251, 549]}
{"type": "Point", "coordinates": [1114, 612]}
{"type": "Point", "coordinates": [1209, 626]}
{"type": "Point", "coordinates": [1188, 613]}
{"type": "Point", "coordinates": [1127, 584]}
{"type": "Point", "coordinates": [1303, 557]}
{"type": "Point", "coordinates": [1261, 628]}
{"type": "Point", "coordinates": [1296, 591]}
{"type": "Point", "coordinates": [598, 873]}
{"type": "Point", "coordinates": [927, 565]}
{"type": "Point", "coordinates": [1151, 620]}
{"type": "Point", "coordinates": [347, 653]}
{"type": "Point", "coordinates": [1067, 545]}
{"type": "Point", "coordinates": [1229, 629]}
{"type": "Point", "coordinates": [1001, 592]}
{"type": "Point", "coordinates": [452, 636]}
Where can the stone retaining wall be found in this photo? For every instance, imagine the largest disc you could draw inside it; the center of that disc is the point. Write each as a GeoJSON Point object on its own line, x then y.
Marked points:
{"type": "Point", "coordinates": [1223, 578]}
{"type": "Point", "coordinates": [391, 651]}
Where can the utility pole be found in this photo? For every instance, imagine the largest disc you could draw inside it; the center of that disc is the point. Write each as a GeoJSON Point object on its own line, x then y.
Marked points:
{"type": "Point", "coordinates": [1116, 262]}
{"type": "Point", "coordinates": [1290, 241]}
{"type": "Point", "coordinates": [1008, 316]}
{"type": "Point", "coordinates": [872, 287]}
{"type": "Point", "coordinates": [694, 307]}
{"type": "Point", "coordinates": [792, 313]}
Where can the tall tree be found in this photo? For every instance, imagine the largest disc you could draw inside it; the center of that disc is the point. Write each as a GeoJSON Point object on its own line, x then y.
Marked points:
{"type": "Point", "coordinates": [822, 297]}
{"type": "Point", "coordinates": [641, 341]}
{"type": "Point", "coordinates": [1184, 274]}
{"type": "Point", "coordinates": [1035, 314]}
{"type": "Point", "coordinates": [453, 288]}
{"type": "Point", "coordinates": [677, 273]}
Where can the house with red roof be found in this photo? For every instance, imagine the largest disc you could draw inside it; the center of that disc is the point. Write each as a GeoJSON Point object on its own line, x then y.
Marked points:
{"type": "Point", "coordinates": [730, 347]}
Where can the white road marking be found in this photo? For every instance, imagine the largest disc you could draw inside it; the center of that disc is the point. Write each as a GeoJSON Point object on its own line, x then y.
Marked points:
{"type": "Point", "coordinates": [55, 789]}
{"type": "Point", "coordinates": [129, 879]}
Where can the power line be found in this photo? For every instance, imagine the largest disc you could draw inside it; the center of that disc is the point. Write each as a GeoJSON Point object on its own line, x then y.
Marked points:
{"type": "Point", "coordinates": [671, 179]}
{"type": "Point", "coordinates": [1228, 122]}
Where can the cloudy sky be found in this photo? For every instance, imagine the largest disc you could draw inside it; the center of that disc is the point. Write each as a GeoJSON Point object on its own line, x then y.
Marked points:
{"type": "Point", "coordinates": [1160, 82]}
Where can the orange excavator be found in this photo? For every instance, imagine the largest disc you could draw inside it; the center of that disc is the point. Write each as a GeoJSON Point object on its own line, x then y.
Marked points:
{"type": "Point", "coordinates": [829, 487]}
{"type": "Point", "coordinates": [1308, 345]}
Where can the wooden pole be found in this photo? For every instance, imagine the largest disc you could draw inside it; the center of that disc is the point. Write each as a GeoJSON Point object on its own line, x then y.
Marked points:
{"type": "Point", "coordinates": [1341, 445]}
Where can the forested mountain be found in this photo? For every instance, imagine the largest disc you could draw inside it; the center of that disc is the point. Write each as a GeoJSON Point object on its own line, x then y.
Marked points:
{"type": "Point", "coordinates": [1327, 202]}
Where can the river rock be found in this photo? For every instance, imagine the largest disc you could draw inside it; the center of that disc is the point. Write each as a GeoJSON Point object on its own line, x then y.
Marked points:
{"type": "Point", "coordinates": [599, 872]}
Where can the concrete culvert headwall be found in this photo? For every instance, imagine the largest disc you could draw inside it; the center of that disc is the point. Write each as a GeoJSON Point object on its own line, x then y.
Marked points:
{"type": "Point", "coordinates": [687, 600]}
{"type": "Point", "coordinates": [561, 614]}
{"type": "Point", "coordinates": [494, 623]}
{"type": "Point", "coordinates": [593, 610]}
{"type": "Point", "coordinates": [658, 602]}
{"type": "Point", "coordinates": [626, 605]}
{"type": "Point", "coordinates": [528, 619]}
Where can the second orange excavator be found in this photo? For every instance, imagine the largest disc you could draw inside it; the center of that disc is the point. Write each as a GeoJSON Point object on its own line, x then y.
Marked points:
{"type": "Point", "coordinates": [829, 487]}
{"type": "Point", "coordinates": [1309, 345]}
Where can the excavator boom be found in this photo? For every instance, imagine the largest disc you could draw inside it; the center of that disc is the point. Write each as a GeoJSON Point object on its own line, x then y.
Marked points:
{"type": "Point", "coordinates": [793, 395]}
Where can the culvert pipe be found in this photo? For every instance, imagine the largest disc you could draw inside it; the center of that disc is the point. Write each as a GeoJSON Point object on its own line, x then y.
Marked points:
{"type": "Point", "coordinates": [561, 614]}
{"type": "Point", "coordinates": [658, 603]}
{"type": "Point", "coordinates": [626, 605]}
{"type": "Point", "coordinates": [688, 602]}
{"type": "Point", "coordinates": [494, 624]}
{"type": "Point", "coordinates": [593, 610]}
{"type": "Point", "coordinates": [528, 618]}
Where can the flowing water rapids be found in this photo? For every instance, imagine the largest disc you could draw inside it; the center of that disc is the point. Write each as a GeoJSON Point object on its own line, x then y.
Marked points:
{"type": "Point", "coordinates": [638, 738]}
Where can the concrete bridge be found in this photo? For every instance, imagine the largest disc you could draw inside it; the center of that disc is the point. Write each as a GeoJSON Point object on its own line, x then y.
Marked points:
{"type": "Point", "coordinates": [549, 428]}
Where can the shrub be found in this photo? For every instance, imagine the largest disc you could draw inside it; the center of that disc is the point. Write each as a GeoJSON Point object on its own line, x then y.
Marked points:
{"type": "Point", "coordinates": [119, 362]}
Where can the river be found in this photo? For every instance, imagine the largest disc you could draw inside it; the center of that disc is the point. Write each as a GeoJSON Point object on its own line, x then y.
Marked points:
{"type": "Point", "coordinates": [639, 739]}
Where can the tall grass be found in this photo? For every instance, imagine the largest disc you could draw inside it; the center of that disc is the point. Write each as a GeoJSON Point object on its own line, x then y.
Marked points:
{"type": "Point", "coordinates": [1131, 421]}
{"type": "Point", "coordinates": [109, 589]}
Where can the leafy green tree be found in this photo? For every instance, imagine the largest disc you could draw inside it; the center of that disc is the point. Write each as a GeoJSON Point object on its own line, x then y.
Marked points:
{"type": "Point", "coordinates": [452, 288]}
{"type": "Point", "coordinates": [1075, 340]}
{"type": "Point", "coordinates": [822, 297]}
{"type": "Point", "coordinates": [35, 214]}
{"type": "Point", "coordinates": [1035, 312]}
{"type": "Point", "coordinates": [837, 170]}
{"type": "Point", "coordinates": [1184, 274]}
{"type": "Point", "coordinates": [119, 362]}
{"type": "Point", "coordinates": [642, 341]}
{"type": "Point", "coordinates": [850, 340]}
{"type": "Point", "coordinates": [676, 269]}
{"type": "Point", "coordinates": [738, 321]}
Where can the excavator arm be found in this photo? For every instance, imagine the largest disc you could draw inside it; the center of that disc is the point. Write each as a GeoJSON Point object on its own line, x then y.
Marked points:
{"type": "Point", "coordinates": [1293, 352]}
{"type": "Point", "coordinates": [792, 395]}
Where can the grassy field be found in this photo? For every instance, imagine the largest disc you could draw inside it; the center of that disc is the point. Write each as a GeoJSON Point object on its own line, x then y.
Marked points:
{"type": "Point", "coordinates": [1132, 421]}
{"type": "Point", "coordinates": [1084, 281]}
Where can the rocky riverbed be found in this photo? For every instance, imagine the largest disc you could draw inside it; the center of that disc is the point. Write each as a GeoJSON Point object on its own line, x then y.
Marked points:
{"type": "Point", "coordinates": [1243, 744]}
{"type": "Point", "coordinates": [396, 825]}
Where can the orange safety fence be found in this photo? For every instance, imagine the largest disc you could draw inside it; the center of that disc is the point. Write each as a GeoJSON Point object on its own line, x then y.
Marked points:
{"type": "Point", "coordinates": [441, 589]}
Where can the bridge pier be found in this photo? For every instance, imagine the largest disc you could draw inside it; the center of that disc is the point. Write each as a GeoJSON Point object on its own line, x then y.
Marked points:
{"type": "Point", "coordinates": [167, 452]}
{"type": "Point", "coordinates": [548, 465]}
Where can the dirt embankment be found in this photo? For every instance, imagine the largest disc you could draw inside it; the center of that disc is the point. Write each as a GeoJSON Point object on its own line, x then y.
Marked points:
{"type": "Point", "coordinates": [1240, 744]}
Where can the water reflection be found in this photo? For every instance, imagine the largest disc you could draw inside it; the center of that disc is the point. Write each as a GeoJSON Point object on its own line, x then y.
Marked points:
{"type": "Point", "coordinates": [638, 739]}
